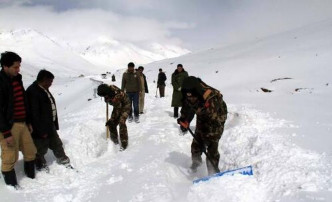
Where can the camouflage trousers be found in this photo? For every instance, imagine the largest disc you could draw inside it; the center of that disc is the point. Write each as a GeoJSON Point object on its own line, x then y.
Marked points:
{"type": "Point", "coordinates": [206, 142]}
{"type": "Point", "coordinates": [116, 119]}
{"type": "Point", "coordinates": [22, 142]}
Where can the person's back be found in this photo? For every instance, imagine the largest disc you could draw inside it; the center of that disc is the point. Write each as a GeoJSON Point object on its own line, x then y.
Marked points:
{"type": "Point", "coordinates": [161, 82]}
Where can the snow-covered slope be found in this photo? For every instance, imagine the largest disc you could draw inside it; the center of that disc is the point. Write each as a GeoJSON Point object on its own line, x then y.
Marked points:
{"type": "Point", "coordinates": [38, 51]}
{"type": "Point", "coordinates": [283, 134]}
{"type": "Point", "coordinates": [114, 54]}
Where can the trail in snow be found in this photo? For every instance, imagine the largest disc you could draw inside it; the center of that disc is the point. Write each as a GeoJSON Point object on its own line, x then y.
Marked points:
{"type": "Point", "coordinates": [154, 167]}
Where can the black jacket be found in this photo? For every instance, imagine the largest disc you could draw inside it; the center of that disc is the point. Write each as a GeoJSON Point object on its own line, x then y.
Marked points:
{"type": "Point", "coordinates": [161, 79]}
{"type": "Point", "coordinates": [7, 101]}
{"type": "Point", "coordinates": [145, 84]}
{"type": "Point", "coordinates": [41, 111]}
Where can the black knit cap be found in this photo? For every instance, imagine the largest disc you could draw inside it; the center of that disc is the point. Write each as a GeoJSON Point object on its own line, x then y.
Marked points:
{"type": "Point", "coordinates": [192, 85]}
{"type": "Point", "coordinates": [104, 90]}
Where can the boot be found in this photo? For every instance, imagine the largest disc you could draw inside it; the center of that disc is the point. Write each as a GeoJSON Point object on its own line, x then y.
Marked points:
{"type": "Point", "coordinates": [124, 145]}
{"type": "Point", "coordinates": [64, 160]}
{"type": "Point", "coordinates": [10, 178]}
{"type": "Point", "coordinates": [40, 163]}
{"type": "Point", "coordinates": [29, 169]}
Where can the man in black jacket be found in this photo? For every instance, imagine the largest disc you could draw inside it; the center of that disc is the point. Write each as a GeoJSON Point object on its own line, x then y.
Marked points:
{"type": "Point", "coordinates": [45, 121]}
{"type": "Point", "coordinates": [161, 82]}
{"type": "Point", "coordinates": [15, 127]}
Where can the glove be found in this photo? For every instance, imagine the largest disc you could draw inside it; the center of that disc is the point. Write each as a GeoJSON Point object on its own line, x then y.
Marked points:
{"type": "Point", "coordinates": [183, 129]}
{"type": "Point", "coordinates": [183, 123]}
{"type": "Point", "coordinates": [108, 123]}
{"type": "Point", "coordinates": [179, 89]}
{"type": "Point", "coordinates": [181, 119]}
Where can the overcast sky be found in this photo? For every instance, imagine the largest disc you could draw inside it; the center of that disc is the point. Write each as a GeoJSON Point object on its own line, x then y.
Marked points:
{"type": "Point", "coordinates": [191, 24]}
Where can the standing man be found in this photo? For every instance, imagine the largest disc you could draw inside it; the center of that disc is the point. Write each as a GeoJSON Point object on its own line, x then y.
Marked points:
{"type": "Point", "coordinates": [45, 121]}
{"type": "Point", "coordinates": [15, 127]}
{"type": "Point", "coordinates": [177, 78]}
{"type": "Point", "coordinates": [121, 108]}
{"type": "Point", "coordinates": [144, 87]}
{"type": "Point", "coordinates": [211, 113]}
{"type": "Point", "coordinates": [131, 85]}
{"type": "Point", "coordinates": [161, 82]}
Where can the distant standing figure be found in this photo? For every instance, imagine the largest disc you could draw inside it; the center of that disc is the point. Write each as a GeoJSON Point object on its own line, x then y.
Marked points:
{"type": "Point", "coordinates": [131, 86]}
{"type": "Point", "coordinates": [15, 127]}
{"type": "Point", "coordinates": [144, 87]}
{"type": "Point", "coordinates": [121, 108]}
{"type": "Point", "coordinates": [113, 78]}
{"type": "Point", "coordinates": [161, 82]}
{"type": "Point", "coordinates": [177, 79]}
{"type": "Point", "coordinates": [45, 121]}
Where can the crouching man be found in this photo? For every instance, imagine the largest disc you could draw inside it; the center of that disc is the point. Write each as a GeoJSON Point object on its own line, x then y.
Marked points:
{"type": "Point", "coordinates": [121, 109]}
{"type": "Point", "coordinates": [211, 113]}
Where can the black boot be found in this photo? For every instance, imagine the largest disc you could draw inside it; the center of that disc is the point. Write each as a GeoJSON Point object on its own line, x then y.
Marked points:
{"type": "Point", "coordinates": [29, 169]}
{"type": "Point", "coordinates": [10, 178]}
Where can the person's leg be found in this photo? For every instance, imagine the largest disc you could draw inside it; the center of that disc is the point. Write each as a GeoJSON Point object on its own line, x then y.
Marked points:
{"type": "Point", "coordinates": [176, 112]}
{"type": "Point", "coordinates": [9, 156]}
{"type": "Point", "coordinates": [113, 125]}
{"type": "Point", "coordinates": [196, 155]}
{"type": "Point", "coordinates": [162, 91]}
{"type": "Point", "coordinates": [42, 147]}
{"type": "Point", "coordinates": [135, 102]}
{"type": "Point", "coordinates": [131, 98]}
{"type": "Point", "coordinates": [123, 135]}
{"type": "Point", "coordinates": [141, 102]}
{"type": "Point", "coordinates": [29, 151]}
{"type": "Point", "coordinates": [56, 146]}
{"type": "Point", "coordinates": [213, 163]}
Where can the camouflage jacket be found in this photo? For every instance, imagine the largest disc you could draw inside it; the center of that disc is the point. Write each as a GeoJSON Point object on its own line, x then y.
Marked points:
{"type": "Point", "coordinates": [122, 102]}
{"type": "Point", "coordinates": [211, 111]}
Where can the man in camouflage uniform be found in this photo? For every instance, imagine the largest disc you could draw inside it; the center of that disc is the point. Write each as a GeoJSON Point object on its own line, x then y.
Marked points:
{"type": "Point", "coordinates": [211, 113]}
{"type": "Point", "coordinates": [121, 108]}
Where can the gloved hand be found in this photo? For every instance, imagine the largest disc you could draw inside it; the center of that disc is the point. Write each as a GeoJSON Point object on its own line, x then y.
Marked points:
{"type": "Point", "coordinates": [181, 119]}
{"type": "Point", "coordinates": [183, 129]}
{"type": "Point", "coordinates": [179, 89]}
{"type": "Point", "coordinates": [108, 123]}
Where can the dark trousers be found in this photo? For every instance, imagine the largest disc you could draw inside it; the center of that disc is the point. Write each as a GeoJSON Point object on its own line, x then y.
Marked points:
{"type": "Point", "coordinates": [176, 112]}
{"type": "Point", "coordinates": [134, 99]}
{"type": "Point", "coordinates": [52, 142]}
{"type": "Point", "coordinates": [162, 91]}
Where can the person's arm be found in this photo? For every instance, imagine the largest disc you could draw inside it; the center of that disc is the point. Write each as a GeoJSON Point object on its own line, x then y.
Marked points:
{"type": "Point", "coordinates": [123, 82]}
{"type": "Point", "coordinates": [145, 84]}
{"type": "Point", "coordinates": [34, 99]}
{"type": "Point", "coordinates": [4, 125]}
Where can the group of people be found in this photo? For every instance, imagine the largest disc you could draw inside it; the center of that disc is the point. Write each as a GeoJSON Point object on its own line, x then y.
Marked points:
{"type": "Point", "coordinates": [189, 92]}
{"type": "Point", "coordinates": [28, 121]}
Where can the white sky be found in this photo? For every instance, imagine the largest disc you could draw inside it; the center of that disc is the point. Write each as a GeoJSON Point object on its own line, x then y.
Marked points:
{"type": "Point", "coordinates": [191, 24]}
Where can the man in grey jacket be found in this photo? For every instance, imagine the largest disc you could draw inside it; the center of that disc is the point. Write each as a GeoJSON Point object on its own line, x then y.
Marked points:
{"type": "Point", "coordinates": [131, 85]}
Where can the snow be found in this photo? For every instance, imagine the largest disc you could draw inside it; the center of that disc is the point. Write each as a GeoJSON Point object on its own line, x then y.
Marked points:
{"type": "Point", "coordinates": [284, 134]}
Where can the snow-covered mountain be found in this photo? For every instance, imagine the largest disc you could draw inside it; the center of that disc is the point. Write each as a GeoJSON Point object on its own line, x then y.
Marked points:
{"type": "Point", "coordinates": [114, 54]}
{"type": "Point", "coordinates": [41, 51]}
{"type": "Point", "coordinates": [284, 134]}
